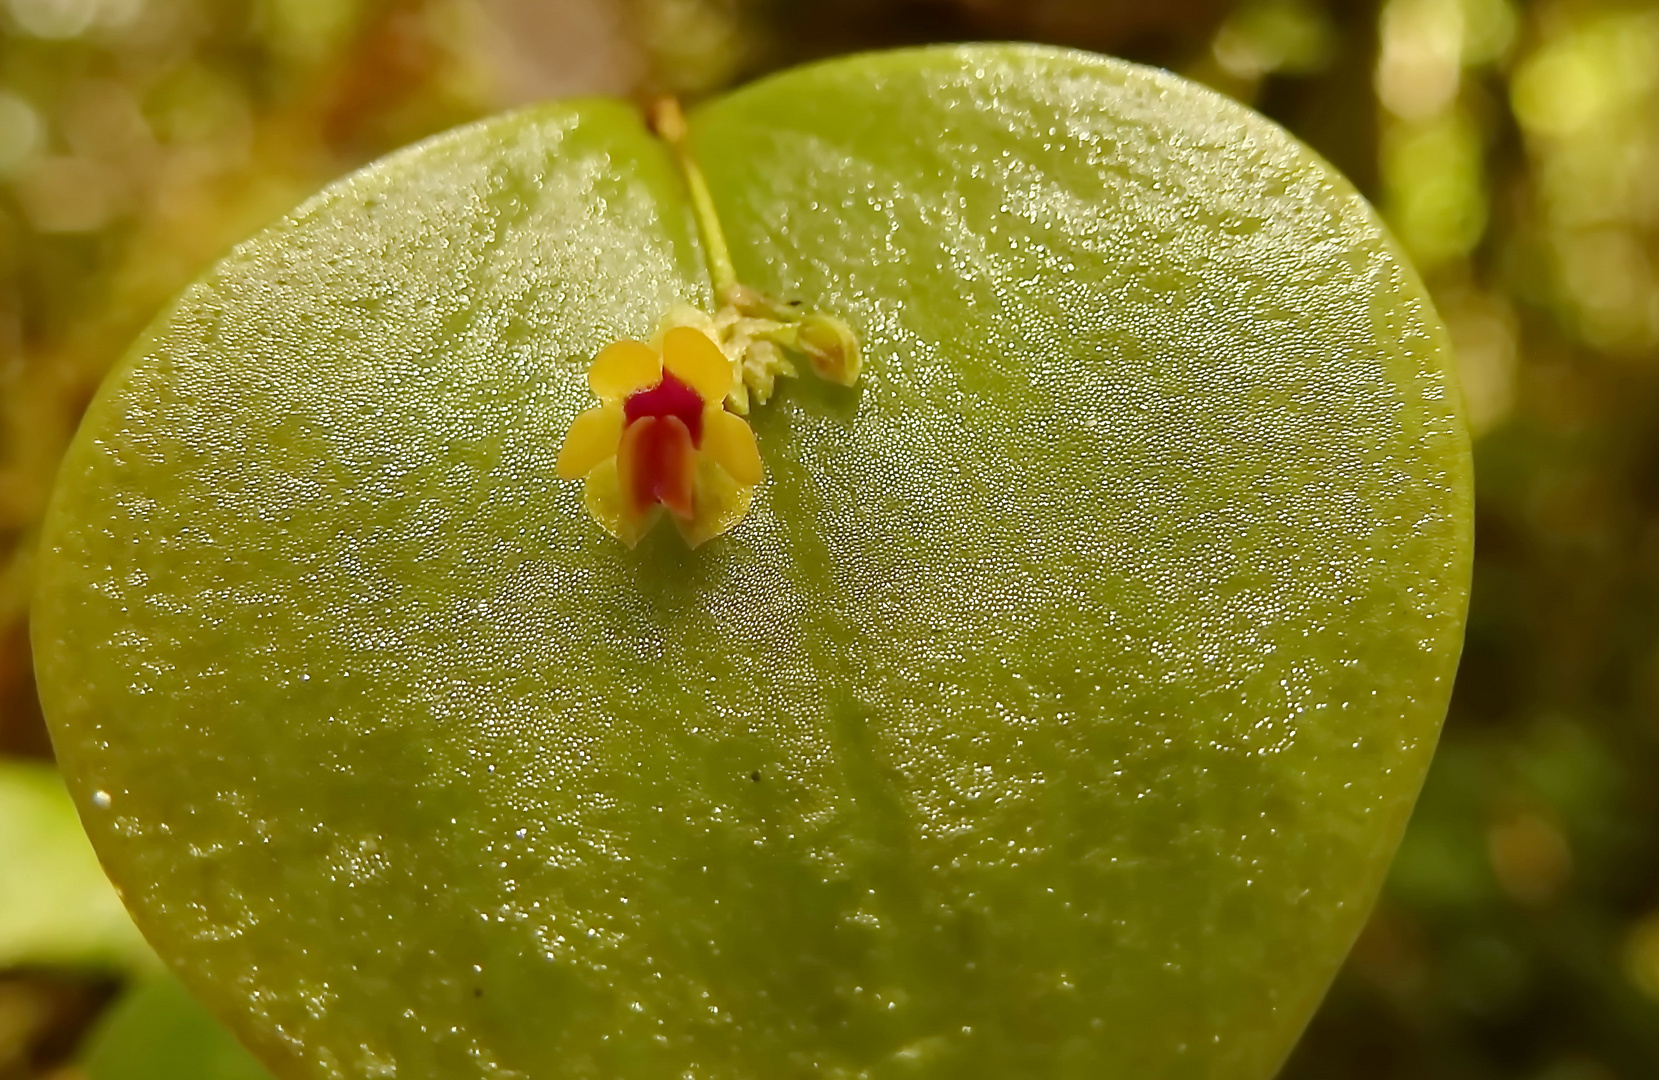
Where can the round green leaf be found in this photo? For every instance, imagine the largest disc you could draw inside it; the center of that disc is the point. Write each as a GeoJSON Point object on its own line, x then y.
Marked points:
{"type": "Point", "coordinates": [1053, 713]}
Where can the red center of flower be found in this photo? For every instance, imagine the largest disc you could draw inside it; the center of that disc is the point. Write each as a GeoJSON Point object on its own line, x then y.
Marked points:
{"type": "Point", "coordinates": [661, 429]}
{"type": "Point", "coordinates": [671, 397]}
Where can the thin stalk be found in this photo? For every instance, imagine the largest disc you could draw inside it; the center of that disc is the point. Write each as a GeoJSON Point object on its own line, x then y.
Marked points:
{"type": "Point", "coordinates": [669, 123]}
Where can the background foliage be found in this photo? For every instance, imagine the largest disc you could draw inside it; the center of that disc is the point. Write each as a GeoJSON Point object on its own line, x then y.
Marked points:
{"type": "Point", "coordinates": [1513, 146]}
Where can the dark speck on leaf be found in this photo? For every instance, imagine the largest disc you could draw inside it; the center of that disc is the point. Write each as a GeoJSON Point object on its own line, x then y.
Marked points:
{"type": "Point", "coordinates": [755, 776]}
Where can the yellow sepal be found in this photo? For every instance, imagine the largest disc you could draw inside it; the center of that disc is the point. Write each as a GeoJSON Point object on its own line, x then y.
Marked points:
{"type": "Point", "coordinates": [693, 358]}
{"type": "Point", "coordinates": [730, 443]}
{"type": "Point", "coordinates": [721, 504]}
{"type": "Point", "coordinates": [623, 368]}
{"type": "Point", "coordinates": [605, 502]}
{"type": "Point", "coordinates": [593, 437]}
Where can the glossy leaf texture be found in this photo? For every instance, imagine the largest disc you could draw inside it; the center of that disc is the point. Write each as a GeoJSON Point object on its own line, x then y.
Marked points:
{"type": "Point", "coordinates": [1054, 713]}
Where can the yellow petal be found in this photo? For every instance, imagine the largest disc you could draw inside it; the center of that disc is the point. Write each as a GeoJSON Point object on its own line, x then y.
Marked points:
{"type": "Point", "coordinates": [592, 438]}
{"type": "Point", "coordinates": [730, 443]}
{"type": "Point", "coordinates": [698, 362]}
{"type": "Point", "coordinates": [623, 367]}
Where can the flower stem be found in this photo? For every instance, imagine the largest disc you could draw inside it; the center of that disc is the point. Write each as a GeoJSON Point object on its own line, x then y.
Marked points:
{"type": "Point", "coordinates": [669, 123]}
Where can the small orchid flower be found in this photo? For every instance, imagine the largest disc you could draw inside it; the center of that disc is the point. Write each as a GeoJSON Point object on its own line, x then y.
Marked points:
{"type": "Point", "coordinates": [662, 438]}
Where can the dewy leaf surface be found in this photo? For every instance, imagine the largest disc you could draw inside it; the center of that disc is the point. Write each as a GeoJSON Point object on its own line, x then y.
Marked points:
{"type": "Point", "coordinates": [1053, 713]}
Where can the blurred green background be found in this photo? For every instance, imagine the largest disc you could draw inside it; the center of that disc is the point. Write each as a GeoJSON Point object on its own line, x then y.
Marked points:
{"type": "Point", "coordinates": [1513, 146]}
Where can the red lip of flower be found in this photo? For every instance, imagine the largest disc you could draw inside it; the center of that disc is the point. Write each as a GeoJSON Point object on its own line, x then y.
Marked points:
{"type": "Point", "coordinates": [662, 439]}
